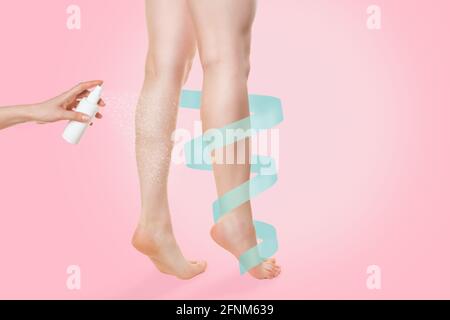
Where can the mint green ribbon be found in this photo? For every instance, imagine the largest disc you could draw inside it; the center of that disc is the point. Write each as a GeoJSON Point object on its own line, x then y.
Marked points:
{"type": "Point", "coordinates": [266, 113]}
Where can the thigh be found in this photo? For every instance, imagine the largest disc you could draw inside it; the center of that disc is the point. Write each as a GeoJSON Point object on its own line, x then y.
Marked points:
{"type": "Point", "coordinates": [171, 32]}
{"type": "Point", "coordinates": [223, 27]}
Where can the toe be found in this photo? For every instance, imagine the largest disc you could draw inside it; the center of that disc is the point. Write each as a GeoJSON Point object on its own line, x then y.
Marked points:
{"type": "Point", "coordinates": [194, 268]}
{"type": "Point", "coordinates": [274, 271]}
{"type": "Point", "coordinates": [269, 270]}
{"type": "Point", "coordinates": [270, 275]}
{"type": "Point", "coordinates": [268, 267]}
{"type": "Point", "coordinates": [277, 272]}
{"type": "Point", "coordinates": [200, 265]}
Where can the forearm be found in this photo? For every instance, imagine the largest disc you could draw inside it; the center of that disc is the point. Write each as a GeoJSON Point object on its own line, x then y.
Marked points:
{"type": "Point", "coordinates": [10, 116]}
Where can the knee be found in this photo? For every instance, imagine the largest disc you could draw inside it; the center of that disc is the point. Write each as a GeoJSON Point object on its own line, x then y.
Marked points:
{"type": "Point", "coordinates": [173, 69]}
{"type": "Point", "coordinates": [225, 64]}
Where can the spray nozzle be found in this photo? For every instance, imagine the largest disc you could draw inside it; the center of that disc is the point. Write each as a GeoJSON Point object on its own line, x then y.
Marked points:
{"type": "Point", "coordinates": [94, 96]}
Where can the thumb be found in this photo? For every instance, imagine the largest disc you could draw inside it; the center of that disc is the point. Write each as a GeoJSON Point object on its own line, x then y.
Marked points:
{"type": "Point", "coordinates": [75, 116]}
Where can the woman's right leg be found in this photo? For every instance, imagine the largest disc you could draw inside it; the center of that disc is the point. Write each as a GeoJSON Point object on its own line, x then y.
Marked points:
{"type": "Point", "coordinates": [172, 47]}
{"type": "Point", "coordinates": [223, 29]}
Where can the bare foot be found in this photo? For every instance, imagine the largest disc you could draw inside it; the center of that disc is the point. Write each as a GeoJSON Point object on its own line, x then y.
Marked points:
{"type": "Point", "coordinates": [234, 236]}
{"type": "Point", "coordinates": [159, 244]}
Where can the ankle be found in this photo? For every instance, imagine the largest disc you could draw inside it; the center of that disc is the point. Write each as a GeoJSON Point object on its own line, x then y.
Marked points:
{"type": "Point", "coordinates": [154, 225]}
{"type": "Point", "coordinates": [240, 229]}
{"type": "Point", "coordinates": [154, 218]}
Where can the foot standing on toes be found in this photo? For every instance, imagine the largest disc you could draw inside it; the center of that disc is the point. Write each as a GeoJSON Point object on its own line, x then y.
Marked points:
{"type": "Point", "coordinates": [162, 249]}
{"type": "Point", "coordinates": [235, 236]}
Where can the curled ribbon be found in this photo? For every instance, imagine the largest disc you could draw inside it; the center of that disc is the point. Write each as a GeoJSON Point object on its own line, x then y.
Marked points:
{"type": "Point", "coordinates": [266, 113]}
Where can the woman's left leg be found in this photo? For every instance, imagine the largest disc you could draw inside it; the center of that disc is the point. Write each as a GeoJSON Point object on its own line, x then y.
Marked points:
{"type": "Point", "coordinates": [172, 47]}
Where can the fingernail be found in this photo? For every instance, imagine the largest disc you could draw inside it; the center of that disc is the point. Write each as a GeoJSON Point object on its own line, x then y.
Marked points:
{"type": "Point", "coordinates": [85, 118]}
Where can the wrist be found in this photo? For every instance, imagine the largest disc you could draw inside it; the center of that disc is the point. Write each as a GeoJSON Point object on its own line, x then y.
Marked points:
{"type": "Point", "coordinates": [30, 112]}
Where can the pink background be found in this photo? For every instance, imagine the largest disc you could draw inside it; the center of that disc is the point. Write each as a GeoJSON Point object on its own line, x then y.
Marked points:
{"type": "Point", "coordinates": [364, 164]}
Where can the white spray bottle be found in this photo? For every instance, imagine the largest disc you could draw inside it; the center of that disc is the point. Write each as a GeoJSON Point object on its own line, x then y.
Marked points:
{"type": "Point", "coordinates": [89, 106]}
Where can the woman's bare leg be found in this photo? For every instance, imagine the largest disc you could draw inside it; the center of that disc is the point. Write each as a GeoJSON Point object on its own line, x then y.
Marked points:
{"type": "Point", "coordinates": [223, 29]}
{"type": "Point", "coordinates": [172, 47]}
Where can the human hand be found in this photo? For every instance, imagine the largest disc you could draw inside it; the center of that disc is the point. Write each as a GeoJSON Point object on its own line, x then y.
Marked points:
{"type": "Point", "coordinates": [61, 107]}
